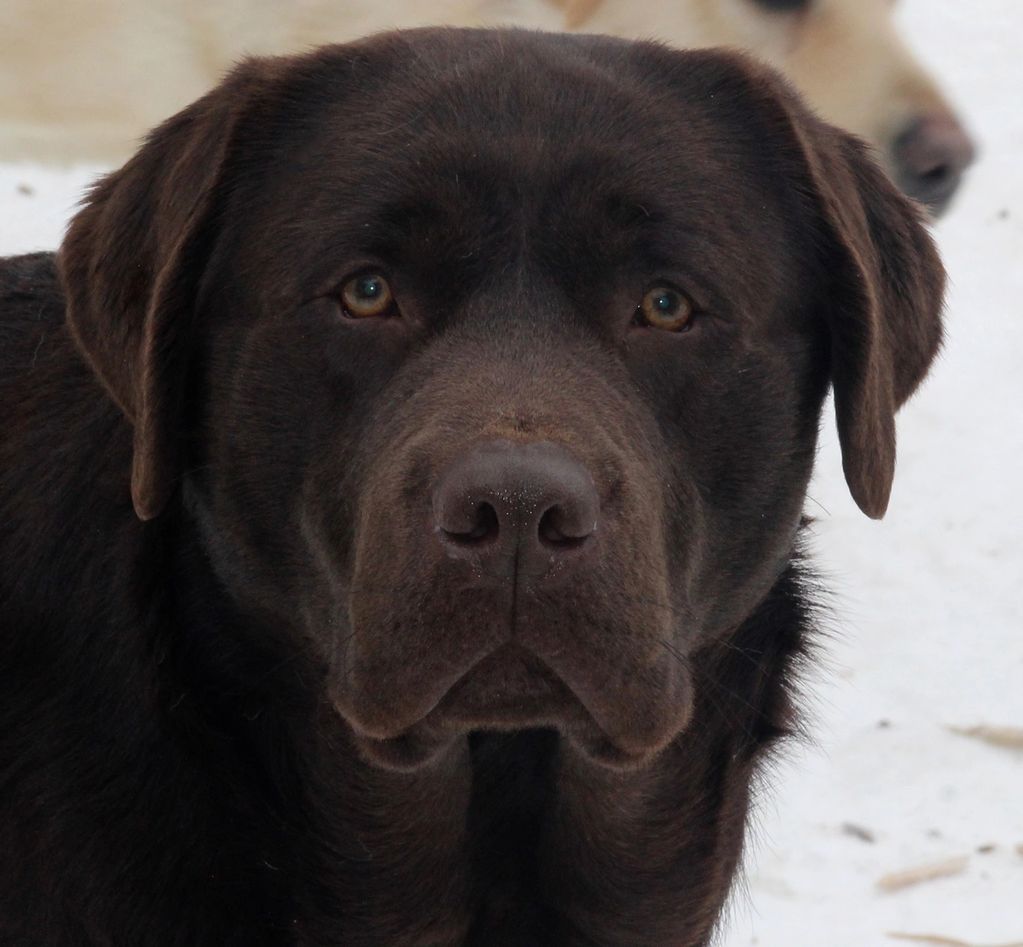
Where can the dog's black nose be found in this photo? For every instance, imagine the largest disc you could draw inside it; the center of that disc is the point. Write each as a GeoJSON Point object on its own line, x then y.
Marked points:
{"type": "Point", "coordinates": [517, 509]}
{"type": "Point", "coordinates": [930, 158]}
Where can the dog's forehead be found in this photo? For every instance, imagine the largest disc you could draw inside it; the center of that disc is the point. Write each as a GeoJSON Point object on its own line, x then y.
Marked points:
{"type": "Point", "coordinates": [495, 142]}
{"type": "Point", "coordinates": [532, 105]}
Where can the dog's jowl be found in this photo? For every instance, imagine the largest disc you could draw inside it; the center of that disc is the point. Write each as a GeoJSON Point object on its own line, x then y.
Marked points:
{"type": "Point", "coordinates": [401, 473]}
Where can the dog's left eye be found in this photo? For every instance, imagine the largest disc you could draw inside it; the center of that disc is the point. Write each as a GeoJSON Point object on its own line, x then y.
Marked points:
{"type": "Point", "coordinates": [366, 296]}
{"type": "Point", "coordinates": [664, 307]}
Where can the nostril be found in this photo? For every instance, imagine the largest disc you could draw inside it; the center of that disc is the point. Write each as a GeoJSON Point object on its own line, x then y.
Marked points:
{"type": "Point", "coordinates": [561, 531]}
{"type": "Point", "coordinates": [483, 527]}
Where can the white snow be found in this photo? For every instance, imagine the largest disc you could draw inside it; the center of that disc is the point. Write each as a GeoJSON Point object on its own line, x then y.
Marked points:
{"type": "Point", "coordinates": [927, 617]}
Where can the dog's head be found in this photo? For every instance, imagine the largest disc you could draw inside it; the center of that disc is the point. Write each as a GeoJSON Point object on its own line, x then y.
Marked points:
{"type": "Point", "coordinates": [490, 364]}
{"type": "Point", "coordinates": [846, 56]}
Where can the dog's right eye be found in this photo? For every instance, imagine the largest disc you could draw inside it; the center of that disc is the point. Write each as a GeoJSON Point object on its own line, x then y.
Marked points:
{"type": "Point", "coordinates": [366, 296]}
{"type": "Point", "coordinates": [665, 308]}
{"type": "Point", "coordinates": [783, 6]}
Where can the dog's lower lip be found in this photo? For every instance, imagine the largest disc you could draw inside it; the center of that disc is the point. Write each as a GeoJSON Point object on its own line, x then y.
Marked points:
{"type": "Point", "coordinates": [488, 697]}
{"type": "Point", "coordinates": [513, 676]}
{"type": "Point", "coordinates": [500, 662]}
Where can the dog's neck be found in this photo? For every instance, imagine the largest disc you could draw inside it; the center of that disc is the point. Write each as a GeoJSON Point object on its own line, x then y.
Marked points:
{"type": "Point", "coordinates": [511, 839]}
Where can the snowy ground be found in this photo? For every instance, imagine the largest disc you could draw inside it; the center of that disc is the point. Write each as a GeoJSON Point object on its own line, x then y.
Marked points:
{"type": "Point", "coordinates": [928, 614]}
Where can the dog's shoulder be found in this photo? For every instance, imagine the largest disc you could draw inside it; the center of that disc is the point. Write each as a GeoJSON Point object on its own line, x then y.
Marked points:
{"type": "Point", "coordinates": [35, 346]}
{"type": "Point", "coordinates": [63, 443]}
{"type": "Point", "coordinates": [39, 361]}
{"type": "Point", "coordinates": [27, 274]}
{"type": "Point", "coordinates": [30, 301]}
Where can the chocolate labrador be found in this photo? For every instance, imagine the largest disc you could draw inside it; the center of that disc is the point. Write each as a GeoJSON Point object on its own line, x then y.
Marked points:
{"type": "Point", "coordinates": [401, 480]}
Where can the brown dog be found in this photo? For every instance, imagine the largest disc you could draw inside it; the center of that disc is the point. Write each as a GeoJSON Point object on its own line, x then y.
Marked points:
{"type": "Point", "coordinates": [401, 475]}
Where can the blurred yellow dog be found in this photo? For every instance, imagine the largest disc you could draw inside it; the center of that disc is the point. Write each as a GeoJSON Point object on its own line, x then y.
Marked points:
{"type": "Point", "coordinates": [83, 80]}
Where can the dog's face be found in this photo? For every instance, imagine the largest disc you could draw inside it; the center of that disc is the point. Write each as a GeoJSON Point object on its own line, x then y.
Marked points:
{"type": "Point", "coordinates": [491, 363]}
{"type": "Point", "coordinates": [846, 56]}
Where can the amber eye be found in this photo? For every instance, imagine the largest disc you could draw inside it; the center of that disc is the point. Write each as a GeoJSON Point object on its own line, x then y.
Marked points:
{"type": "Point", "coordinates": [366, 296]}
{"type": "Point", "coordinates": [665, 308]}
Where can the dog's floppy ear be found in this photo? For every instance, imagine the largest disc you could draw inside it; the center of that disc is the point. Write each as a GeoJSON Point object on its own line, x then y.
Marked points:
{"type": "Point", "coordinates": [883, 283]}
{"type": "Point", "coordinates": [882, 297]}
{"type": "Point", "coordinates": [131, 264]}
{"type": "Point", "coordinates": [884, 301]}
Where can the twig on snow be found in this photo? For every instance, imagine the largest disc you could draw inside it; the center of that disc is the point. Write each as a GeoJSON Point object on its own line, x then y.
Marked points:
{"type": "Point", "coordinates": [898, 880]}
{"type": "Point", "coordinates": [1007, 738]}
